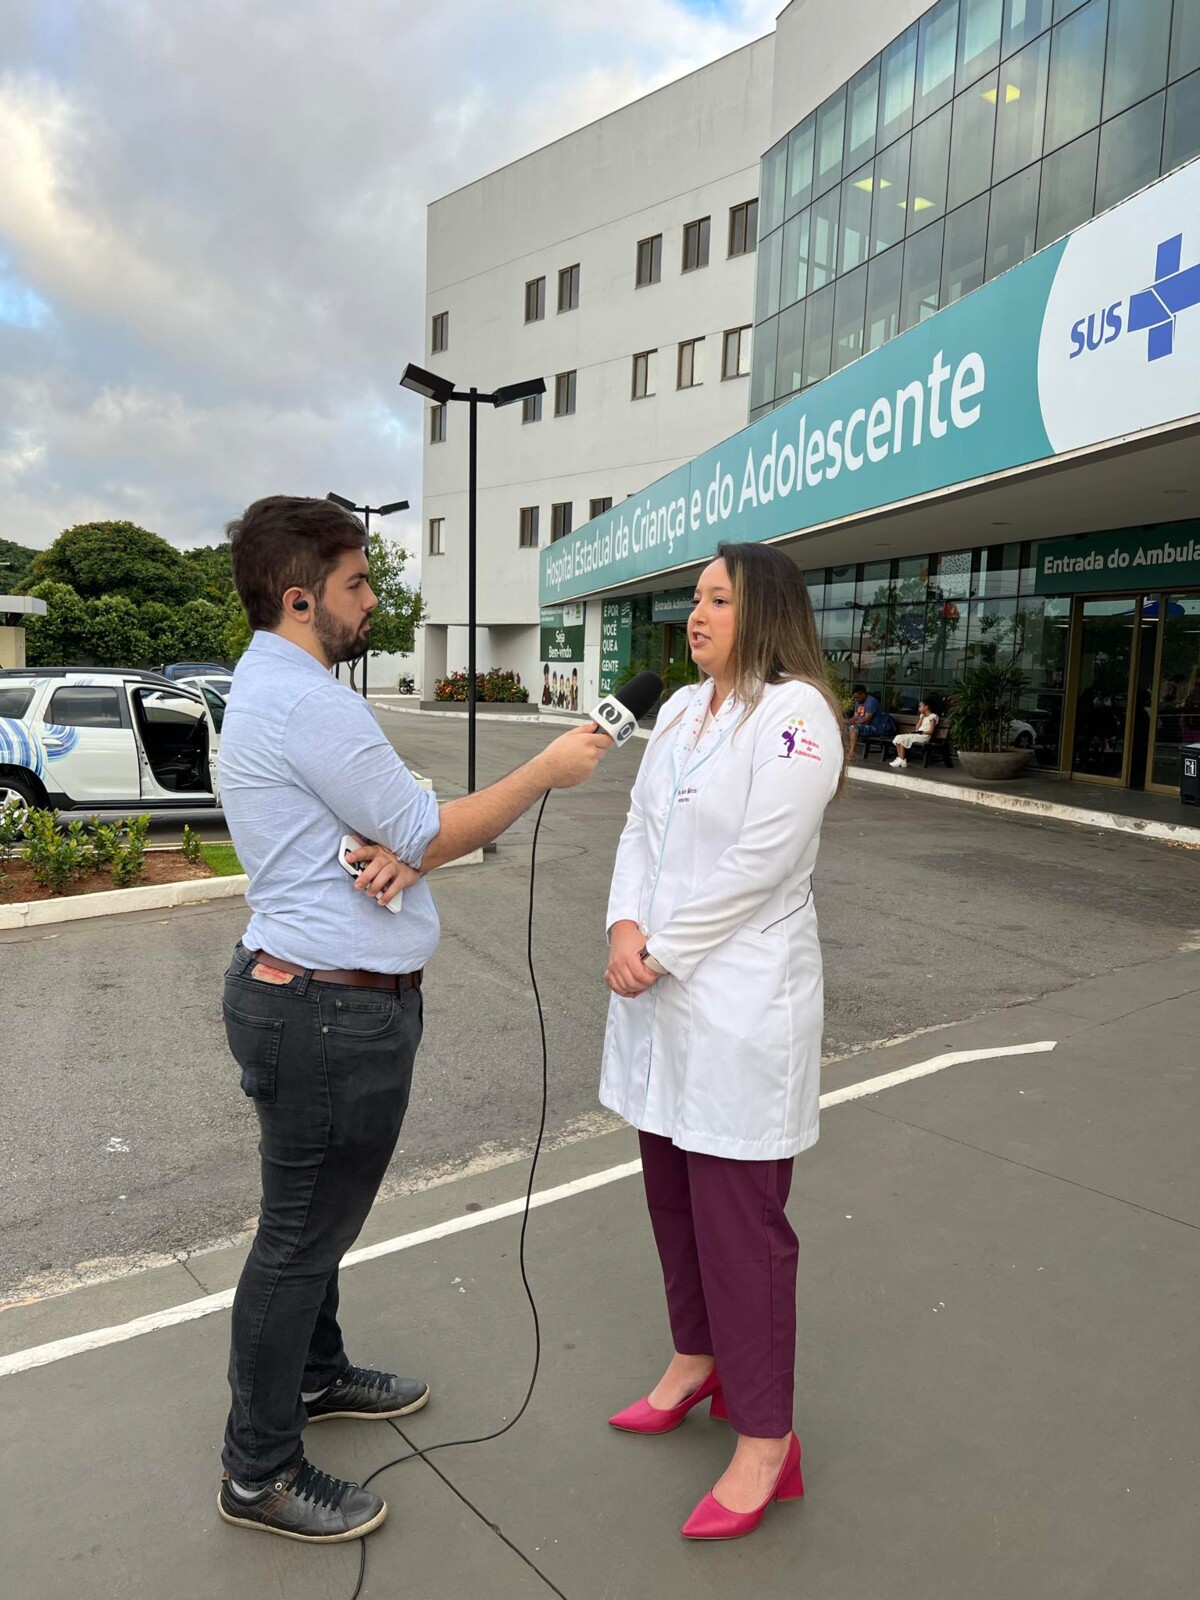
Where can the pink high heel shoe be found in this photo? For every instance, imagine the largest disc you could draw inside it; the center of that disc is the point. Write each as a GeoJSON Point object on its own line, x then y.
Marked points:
{"type": "Point", "coordinates": [642, 1417]}
{"type": "Point", "coordinates": [712, 1520]}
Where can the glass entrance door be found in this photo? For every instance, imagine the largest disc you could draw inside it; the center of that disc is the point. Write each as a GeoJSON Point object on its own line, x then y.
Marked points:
{"type": "Point", "coordinates": [1108, 632]}
{"type": "Point", "coordinates": [1177, 711]}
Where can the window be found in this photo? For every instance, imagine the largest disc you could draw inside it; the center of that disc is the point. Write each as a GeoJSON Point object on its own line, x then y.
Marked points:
{"type": "Point", "coordinates": [971, 142]}
{"type": "Point", "coordinates": [1023, 21]}
{"type": "Point", "coordinates": [1068, 188]}
{"type": "Point", "coordinates": [643, 375]}
{"type": "Point", "coordinates": [849, 309]}
{"type": "Point", "coordinates": [1076, 75]}
{"type": "Point", "coordinates": [560, 521]}
{"type": "Point", "coordinates": [920, 290]}
{"type": "Point", "coordinates": [935, 58]}
{"type": "Point", "coordinates": [14, 702]}
{"type": "Point", "coordinates": [856, 219]}
{"type": "Point", "coordinates": [529, 527]}
{"type": "Point", "coordinates": [735, 358]}
{"type": "Point", "coordinates": [801, 150]}
{"type": "Point", "coordinates": [978, 39]}
{"type": "Point", "coordinates": [883, 298]}
{"type": "Point", "coordinates": [818, 336]}
{"type": "Point", "coordinates": [1021, 109]}
{"type": "Point", "coordinates": [1130, 149]}
{"type": "Point", "coordinates": [695, 244]}
{"type": "Point", "coordinates": [831, 142]}
{"type": "Point", "coordinates": [897, 75]}
{"type": "Point", "coordinates": [823, 252]}
{"type": "Point", "coordinates": [436, 525]}
{"type": "Point", "coordinates": [1185, 39]}
{"type": "Point", "coordinates": [441, 333]}
{"type": "Point", "coordinates": [649, 261]}
{"type": "Point", "coordinates": [1182, 138]}
{"type": "Point", "coordinates": [568, 288]}
{"type": "Point", "coordinates": [743, 228]}
{"type": "Point", "coordinates": [772, 177]}
{"type": "Point", "coordinates": [564, 394]}
{"type": "Point", "coordinates": [1138, 41]}
{"type": "Point", "coordinates": [691, 353]}
{"type": "Point", "coordinates": [535, 299]}
{"type": "Point", "coordinates": [84, 708]}
{"type": "Point", "coordinates": [531, 408]}
{"type": "Point", "coordinates": [437, 424]}
{"type": "Point", "coordinates": [927, 172]}
{"type": "Point", "coordinates": [762, 372]}
{"type": "Point", "coordinates": [862, 115]}
{"type": "Point", "coordinates": [789, 365]}
{"type": "Point", "coordinates": [890, 196]}
{"type": "Point", "coordinates": [1012, 230]}
{"type": "Point", "coordinates": [965, 254]}
{"type": "Point", "coordinates": [597, 508]}
{"type": "Point", "coordinates": [796, 235]}
{"type": "Point", "coordinates": [766, 297]}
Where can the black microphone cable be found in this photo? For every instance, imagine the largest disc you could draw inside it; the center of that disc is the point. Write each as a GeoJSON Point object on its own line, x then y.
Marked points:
{"type": "Point", "coordinates": [486, 1438]}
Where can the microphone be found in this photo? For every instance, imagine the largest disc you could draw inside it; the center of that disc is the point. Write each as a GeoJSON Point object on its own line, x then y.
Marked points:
{"type": "Point", "coordinates": [618, 714]}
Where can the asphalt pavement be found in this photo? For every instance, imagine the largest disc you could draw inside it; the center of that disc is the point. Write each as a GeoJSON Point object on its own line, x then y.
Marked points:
{"type": "Point", "coordinates": [996, 1388]}
{"type": "Point", "coordinates": [126, 1139]}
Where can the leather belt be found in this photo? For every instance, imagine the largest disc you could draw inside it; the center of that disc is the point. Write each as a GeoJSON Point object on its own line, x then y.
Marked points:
{"type": "Point", "coordinates": [355, 977]}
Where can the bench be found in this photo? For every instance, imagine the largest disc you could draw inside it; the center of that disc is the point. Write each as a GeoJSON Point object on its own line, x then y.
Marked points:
{"type": "Point", "coordinates": [939, 747]}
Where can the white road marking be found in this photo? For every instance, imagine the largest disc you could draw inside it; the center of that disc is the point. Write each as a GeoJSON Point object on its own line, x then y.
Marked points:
{"type": "Point", "coordinates": [191, 1310]}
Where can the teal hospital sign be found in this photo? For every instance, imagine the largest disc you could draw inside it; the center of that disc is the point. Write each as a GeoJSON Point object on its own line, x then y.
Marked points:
{"type": "Point", "coordinates": [1067, 350]}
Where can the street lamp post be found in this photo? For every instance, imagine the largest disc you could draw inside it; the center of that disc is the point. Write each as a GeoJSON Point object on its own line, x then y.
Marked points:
{"type": "Point", "coordinates": [366, 512]}
{"type": "Point", "coordinates": [441, 390]}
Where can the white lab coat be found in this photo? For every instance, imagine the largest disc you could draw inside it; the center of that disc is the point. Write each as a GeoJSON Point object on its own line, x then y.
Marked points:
{"type": "Point", "coordinates": [715, 864]}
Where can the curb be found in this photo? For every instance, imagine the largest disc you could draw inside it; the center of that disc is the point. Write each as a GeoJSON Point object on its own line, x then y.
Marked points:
{"type": "Point", "coordinates": [152, 897]}
{"type": "Point", "coordinates": [1169, 832]}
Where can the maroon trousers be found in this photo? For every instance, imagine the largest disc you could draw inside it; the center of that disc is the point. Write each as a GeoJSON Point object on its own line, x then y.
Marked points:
{"type": "Point", "coordinates": [729, 1258]}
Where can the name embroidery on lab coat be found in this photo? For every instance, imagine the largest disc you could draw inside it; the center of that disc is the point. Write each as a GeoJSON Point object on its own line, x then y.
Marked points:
{"type": "Point", "coordinates": [684, 796]}
{"type": "Point", "coordinates": [798, 743]}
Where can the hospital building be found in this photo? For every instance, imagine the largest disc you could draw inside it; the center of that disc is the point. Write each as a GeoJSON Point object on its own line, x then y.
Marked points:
{"type": "Point", "coordinates": [911, 292]}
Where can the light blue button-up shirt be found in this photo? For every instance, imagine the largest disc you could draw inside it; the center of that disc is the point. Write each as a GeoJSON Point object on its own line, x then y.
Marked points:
{"type": "Point", "coordinates": [303, 761]}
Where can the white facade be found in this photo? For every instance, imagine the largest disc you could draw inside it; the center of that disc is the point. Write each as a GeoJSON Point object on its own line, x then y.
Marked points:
{"type": "Point", "coordinates": [691, 150]}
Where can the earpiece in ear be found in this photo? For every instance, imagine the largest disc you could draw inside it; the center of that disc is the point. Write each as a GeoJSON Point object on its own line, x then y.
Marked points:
{"type": "Point", "coordinates": [300, 605]}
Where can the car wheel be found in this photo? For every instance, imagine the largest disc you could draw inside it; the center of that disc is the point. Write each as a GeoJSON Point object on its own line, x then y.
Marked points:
{"type": "Point", "coordinates": [18, 791]}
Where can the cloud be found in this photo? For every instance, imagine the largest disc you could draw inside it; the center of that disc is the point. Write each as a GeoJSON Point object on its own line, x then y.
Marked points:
{"type": "Point", "coordinates": [212, 227]}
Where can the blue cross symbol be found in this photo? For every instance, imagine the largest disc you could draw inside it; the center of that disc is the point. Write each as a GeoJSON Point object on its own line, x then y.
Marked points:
{"type": "Point", "coordinates": [1154, 310]}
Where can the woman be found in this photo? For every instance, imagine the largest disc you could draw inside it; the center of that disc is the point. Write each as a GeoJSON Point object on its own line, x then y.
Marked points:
{"type": "Point", "coordinates": [713, 1045]}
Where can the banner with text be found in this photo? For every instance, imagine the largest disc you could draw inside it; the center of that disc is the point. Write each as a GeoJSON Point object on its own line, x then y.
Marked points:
{"type": "Point", "coordinates": [1095, 338]}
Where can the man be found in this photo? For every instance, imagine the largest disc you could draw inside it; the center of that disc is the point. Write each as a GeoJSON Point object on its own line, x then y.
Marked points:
{"type": "Point", "coordinates": [323, 998]}
{"type": "Point", "coordinates": [864, 717]}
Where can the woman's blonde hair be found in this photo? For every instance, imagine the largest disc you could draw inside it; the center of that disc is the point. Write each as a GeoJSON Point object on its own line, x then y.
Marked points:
{"type": "Point", "coordinates": [775, 637]}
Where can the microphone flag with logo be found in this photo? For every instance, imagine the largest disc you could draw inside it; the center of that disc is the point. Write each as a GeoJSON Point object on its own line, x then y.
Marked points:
{"type": "Point", "coordinates": [619, 714]}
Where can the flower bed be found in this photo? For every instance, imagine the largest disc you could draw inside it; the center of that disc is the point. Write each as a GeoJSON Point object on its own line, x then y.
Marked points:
{"type": "Point", "coordinates": [18, 884]}
{"type": "Point", "coordinates": [494, 686]}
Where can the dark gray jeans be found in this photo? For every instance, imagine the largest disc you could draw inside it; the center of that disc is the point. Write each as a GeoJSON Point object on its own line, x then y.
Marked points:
{"type": "Point", "coordinates": [329, 1069]}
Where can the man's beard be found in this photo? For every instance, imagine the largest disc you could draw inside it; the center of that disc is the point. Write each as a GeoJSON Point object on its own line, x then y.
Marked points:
{"type": "Point", "coordinates": [339, 641]}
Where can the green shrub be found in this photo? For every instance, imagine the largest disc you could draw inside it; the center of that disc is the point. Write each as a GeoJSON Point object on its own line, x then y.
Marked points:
{"type": "Point", "coordinates": [493, 685]}
{"type": "Point", "coordinates": [191, 846]}
{"type": "Point", "coordinates": [55, 858]}
{"type": "Point", "coordinates": [129, 862]}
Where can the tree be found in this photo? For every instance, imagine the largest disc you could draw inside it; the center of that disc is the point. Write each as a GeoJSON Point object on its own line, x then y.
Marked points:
{"type": "Point", "coordinates": [160, 624]}
{"type": "Point", "coordinates": [115, 633]}
{"type": "Point", "coordinates": [214, 563]}
{"type": "Point", "coordinates": [201, 631]}
{"type": "Point", "coordinates": [14, 563]}
{"type": "Point", "coordinates": [117, 558]}
{"type": "Point", "coordinates": [62, 638]}
{"type": "Point", "coordinates": [237, 629]}
{"type": "Point", "coordinates": [394, 620]}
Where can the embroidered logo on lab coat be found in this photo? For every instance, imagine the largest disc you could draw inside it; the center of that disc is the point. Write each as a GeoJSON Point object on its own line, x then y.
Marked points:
{"type": "Point", "coordinates": [798, 743]}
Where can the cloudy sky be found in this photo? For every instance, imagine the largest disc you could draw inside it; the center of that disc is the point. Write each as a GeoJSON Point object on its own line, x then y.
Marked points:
{"type": "Point", "coordinates": [212, 219]}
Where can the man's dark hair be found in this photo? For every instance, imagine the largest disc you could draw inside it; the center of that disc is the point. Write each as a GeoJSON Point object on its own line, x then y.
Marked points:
{"type": "Point", "coordinates": [859, 688]}
{"type": "Point", "coordinates": [288, 542]}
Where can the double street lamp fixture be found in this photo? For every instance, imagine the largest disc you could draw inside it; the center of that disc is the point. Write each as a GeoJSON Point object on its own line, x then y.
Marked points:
{"type": "Point", "coordinates": [430, 386]}
{"type": "Point", "coordinates": [366, 513]}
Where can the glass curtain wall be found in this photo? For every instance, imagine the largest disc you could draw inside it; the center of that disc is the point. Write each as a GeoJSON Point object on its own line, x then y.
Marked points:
{"type": "Point", "coordinates": [987, 130]}
{"type": "Point", "coordinates": [909, 629]}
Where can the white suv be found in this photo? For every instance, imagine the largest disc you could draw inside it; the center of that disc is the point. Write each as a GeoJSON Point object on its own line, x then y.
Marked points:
{"type": "Point", "coordinates": [104, 740]}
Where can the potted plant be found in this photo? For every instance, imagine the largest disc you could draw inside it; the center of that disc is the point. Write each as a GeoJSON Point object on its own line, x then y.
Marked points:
{"type": "Point", "coordinates": [982, 720]}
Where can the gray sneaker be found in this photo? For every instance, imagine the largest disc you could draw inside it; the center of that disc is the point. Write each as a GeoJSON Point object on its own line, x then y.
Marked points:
{"type": "Point", "coordinates": [304, 1504]}
{"type": "Point", "coordinates": [369, 1395]}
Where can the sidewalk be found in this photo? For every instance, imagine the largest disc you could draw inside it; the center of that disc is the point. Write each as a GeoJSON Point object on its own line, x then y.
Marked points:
{"type": "Point", "coordinates": [997, 1385]}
